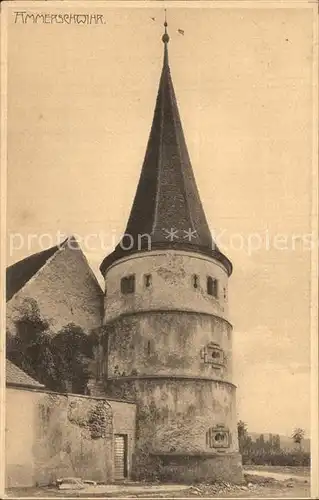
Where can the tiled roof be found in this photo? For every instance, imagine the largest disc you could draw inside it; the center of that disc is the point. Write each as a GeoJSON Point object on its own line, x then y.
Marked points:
{"type": "Point", "coordinates": [16, 376]}
{"type": "Point", "coordinates": [167, 198]}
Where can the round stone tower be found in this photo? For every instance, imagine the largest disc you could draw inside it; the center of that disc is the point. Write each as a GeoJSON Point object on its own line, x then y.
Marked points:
{"type": "Point", "coordinates": [169, 339]}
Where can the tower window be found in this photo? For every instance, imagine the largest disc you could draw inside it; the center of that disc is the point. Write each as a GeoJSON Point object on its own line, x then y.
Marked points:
{"type": "Point", "coordinates": [149, 348]}
{"type": "Point", "coordinates": [147, 280]}
{"type": "Point", "coordinates": [212, 286]}
{"type": "Point", "coordinates": [195, 281]}
{"type": "Point", "coordinates": [128, 284]}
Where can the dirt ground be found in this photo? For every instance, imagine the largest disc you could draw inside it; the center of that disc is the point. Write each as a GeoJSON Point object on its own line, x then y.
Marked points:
{"type": "Point", "coordinates": [256, 486]}
{"type": "Point", "coordinates": [299, 471]}
{"type": "Point", "coordinates": [267, 491]}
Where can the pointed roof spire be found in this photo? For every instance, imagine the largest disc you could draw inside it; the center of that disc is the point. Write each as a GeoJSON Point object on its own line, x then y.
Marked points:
{"type": "Point", "coordinates": [165, 40]}
{"type": "Point", "coordinates": [167, 212]}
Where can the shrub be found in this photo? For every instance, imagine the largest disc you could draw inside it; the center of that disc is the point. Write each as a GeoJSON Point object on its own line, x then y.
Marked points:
{"type": "Point", "coordinates": [283, 458]}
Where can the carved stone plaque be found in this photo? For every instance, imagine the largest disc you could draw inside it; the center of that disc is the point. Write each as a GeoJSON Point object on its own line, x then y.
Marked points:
{"type": "Point", "coordinates": [218, 437]}
{"type": "Point", "coordinates": [213, 355]}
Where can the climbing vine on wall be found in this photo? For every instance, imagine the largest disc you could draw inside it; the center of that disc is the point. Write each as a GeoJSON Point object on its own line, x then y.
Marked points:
{"type": "Point", "coordinates": [95, 420]}
{"type": "Point", "coordinates": [62, 361]}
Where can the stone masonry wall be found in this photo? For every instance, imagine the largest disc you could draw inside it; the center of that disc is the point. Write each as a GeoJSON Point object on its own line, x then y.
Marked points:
{"type": "Point", "coordinates": [171, 284]}
{"type": "Point", "coordinates": [74, 438]}
{"type": "Point", "coordinates": [169, 343]}
{"type": "Point", "coordinates": [19, 437]}
{"type": "Point", "coordinates": [65, 290]}
{"type": "Point", "coordinates": [169, 348]}
{"type": "Point", "coordinates": [198, 468]}
{"type": "Point", "coordinates": [55, 436]}
{"type": "Point", "coordinates": [177, 415]}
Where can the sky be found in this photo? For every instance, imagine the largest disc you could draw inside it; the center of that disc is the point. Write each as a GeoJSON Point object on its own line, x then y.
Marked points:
{"type": "Point", "coordinates": [80, 106]}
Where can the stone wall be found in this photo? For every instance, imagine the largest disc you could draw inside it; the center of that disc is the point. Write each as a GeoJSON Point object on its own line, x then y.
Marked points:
{"type": "Point", "coordinates": [74, 437]}
{"type": "Point", "coordinates": [176, 414]}
{"type": "Point", "coordinates": [169, 343]}
{"type": "Point", "coordinates": [50, 435]}
{"type": "Point", "coordinates": [169, 348]}
{"type": "Point", "coordinates": [20, 435]}
{"type": "Point", "coordinates": [179, 416]}
{"type": "Point", "coordinates": [198, 468]}
{"type": "Point", "coordinates": [171, 284]}
{"type": "Point", "coordinates": [65, 290]}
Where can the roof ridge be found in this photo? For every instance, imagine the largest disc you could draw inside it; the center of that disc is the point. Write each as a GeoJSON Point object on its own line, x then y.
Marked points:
{"type": "Point", "coordinates": [160, 90]}
{"type": "Point", "coordinates": [60, 247]}
{"type": "Point", "coordinates": [26, 278]}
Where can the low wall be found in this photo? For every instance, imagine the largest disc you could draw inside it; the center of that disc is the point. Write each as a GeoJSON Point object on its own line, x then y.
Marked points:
{"type": "Point", "coordinates": [51, 435]}
{"type": "Point", "coordinates": [19, 437]}
{"type": "Point", "coordinates": [190, 469]}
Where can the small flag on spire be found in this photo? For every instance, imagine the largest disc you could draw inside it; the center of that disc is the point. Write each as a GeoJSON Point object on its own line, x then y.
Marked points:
{"type": "Point", "coordinates": [181, 32]}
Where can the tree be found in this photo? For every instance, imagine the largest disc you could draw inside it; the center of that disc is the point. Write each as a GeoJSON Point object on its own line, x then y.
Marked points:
{"type": "Point", "coordinates": [244, 440]}
{"type": "Point", "coordinates": [74, 351]}
{"type": "Point", "coordinates": [297, 436]}
{"type": "Point", "coordinates": [276, 443]}
{"type": "Point", "coordinates": [61, 362]}
{"type": "Point", "coordinates": [31, 332]}
{"type": "Point", "coordinates": [241, 429]}
{"type": "Point", "coordinates": [270, 442]}
{"type": "Point", "coordinates": [44, 362]}
{"type": "Point", "coordinates": [260, 442]}
{"type": "Point", "coordinates": [260, 445]}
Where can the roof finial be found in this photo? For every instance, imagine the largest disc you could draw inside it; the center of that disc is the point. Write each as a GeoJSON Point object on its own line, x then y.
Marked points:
{"type": "Point", "coordinates": [165, 37]}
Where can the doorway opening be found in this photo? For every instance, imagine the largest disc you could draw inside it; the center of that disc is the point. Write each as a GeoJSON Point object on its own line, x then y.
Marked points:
{"type": "Point", "coordinates": [120, 457]}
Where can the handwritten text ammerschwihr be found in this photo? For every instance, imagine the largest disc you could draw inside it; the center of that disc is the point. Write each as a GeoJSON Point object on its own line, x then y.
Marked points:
{"type": "Point", "coordinates": [24, 17]}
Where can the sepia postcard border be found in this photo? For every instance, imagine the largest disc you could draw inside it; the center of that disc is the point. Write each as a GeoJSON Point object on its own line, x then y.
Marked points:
{"type": "Point", "coordinates": [159, 4]}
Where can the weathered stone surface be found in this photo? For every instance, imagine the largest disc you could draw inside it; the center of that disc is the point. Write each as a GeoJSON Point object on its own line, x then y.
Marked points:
{"type": "Point", "coordinates": [172, 287]}
{"type": "Point", "coordinates": [70, 483]}
{"type": "Point", "coordinates": [175, 415]}
{"type": "Point", "coordinates": [199, 468]}
{"type": "Point", "coordinates": [74, 434]}
{"type": "Point", "coordinates": [19, 437]}
{"type": "Point", "coordinates": [65, 290]}
{"type": "Point", "coordinates": [157, 346]}
{"type": "Point", "coordinates": [175, 349]}
{"type": "Point", "coordinates": [52, 436]}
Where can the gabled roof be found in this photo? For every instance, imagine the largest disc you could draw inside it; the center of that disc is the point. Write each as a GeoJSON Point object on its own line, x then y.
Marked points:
{"type": "Point", "coordinates": [21, 272]}
{"type": "Point", "coordinates": [17, 377]}
{"type": "Point", "coordinates": [18, 275]}
{"type": "Point", "coordinates": [167, 197]}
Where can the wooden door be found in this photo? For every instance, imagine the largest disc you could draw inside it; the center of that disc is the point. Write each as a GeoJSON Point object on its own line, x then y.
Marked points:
{"type": "Point", "coordinates": [120, 457]}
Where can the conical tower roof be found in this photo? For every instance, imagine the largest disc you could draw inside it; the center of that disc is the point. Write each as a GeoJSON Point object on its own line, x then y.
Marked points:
{"type": "Point", "coordinates": [167, 205]}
